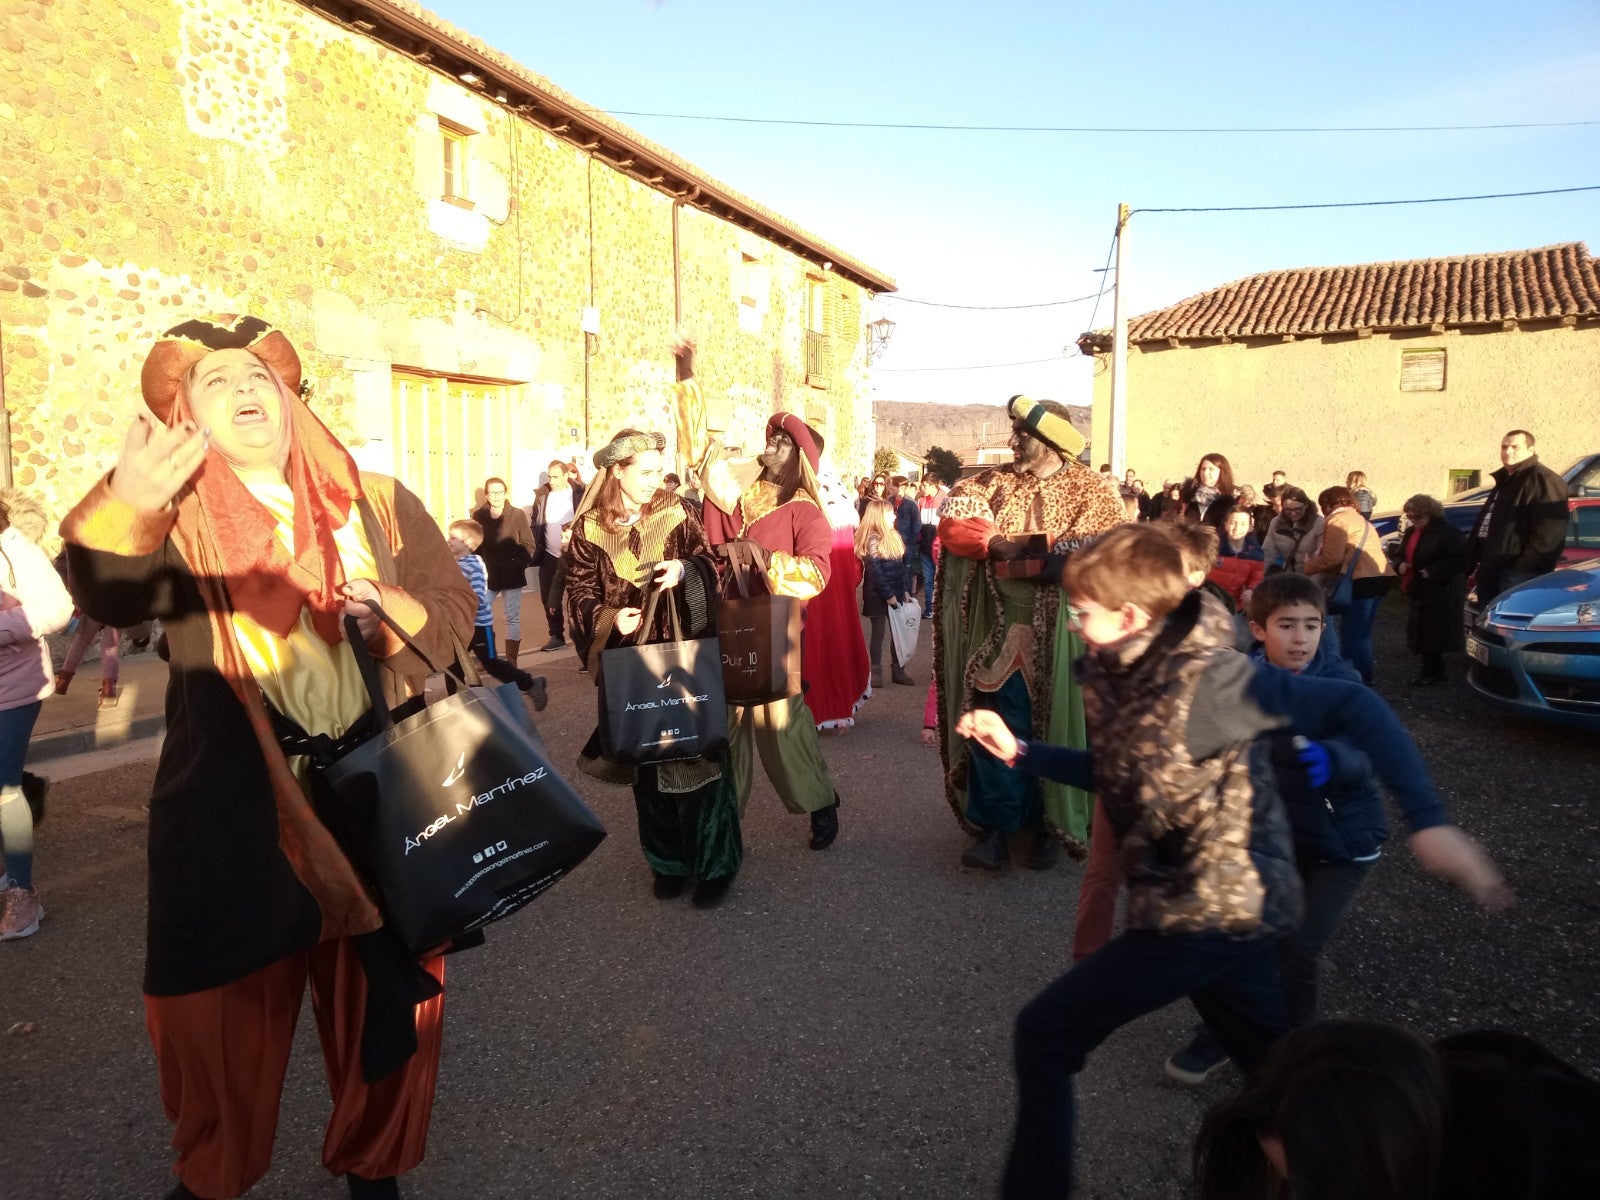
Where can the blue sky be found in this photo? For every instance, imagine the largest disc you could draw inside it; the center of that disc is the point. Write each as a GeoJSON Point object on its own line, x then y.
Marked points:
{"type": "Point", "coordinates": [1006, 218]}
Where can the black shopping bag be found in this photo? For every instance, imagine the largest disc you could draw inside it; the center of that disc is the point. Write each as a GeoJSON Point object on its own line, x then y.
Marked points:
{"type": "Point", "coordinates": [760, 636]}
{"type": "Point", "coordinates": [452, 810]}
{"type": "Point", "coordinates": [662, 702]}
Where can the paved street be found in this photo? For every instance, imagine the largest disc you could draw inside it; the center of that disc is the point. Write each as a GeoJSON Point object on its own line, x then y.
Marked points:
{"type": "Point", "coordinates": [840, 1028]}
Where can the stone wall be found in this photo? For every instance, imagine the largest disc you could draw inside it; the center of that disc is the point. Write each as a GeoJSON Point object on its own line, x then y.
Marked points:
{"type": "Point", "coordinates": [1319, 408]}
{"type": "Point", "coordinates": [167, 158]}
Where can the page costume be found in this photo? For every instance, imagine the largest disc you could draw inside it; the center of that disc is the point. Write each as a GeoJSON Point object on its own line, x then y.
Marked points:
{"type": "Point", "coordinates": [688, 811]}
{"type": "Point", "coordinates": [250, 896]}
{"type": "Point", "coordinates": [1004, 644]}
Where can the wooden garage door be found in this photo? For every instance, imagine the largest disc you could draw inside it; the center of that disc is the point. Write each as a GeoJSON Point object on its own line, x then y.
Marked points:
{"type": "Point", "coordinates": [451, 435]}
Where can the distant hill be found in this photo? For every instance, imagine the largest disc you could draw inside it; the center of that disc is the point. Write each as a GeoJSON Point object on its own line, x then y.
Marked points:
{"type": "Point", "coordinates": [913, 427]}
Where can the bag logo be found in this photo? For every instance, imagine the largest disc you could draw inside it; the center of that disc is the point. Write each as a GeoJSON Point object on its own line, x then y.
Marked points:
{"type": "Point", "coordinates": [666, 680]}
{"type": "Point", "coordinates": [462, 807]}
{"type": "Point", "coordinates": [461, 769]}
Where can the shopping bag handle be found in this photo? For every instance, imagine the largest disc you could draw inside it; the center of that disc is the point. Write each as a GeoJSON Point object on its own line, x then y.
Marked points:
{"type": "Point", "coordinates": [653, 594]}
{"type": "Point", "coordinates": [462, 672]}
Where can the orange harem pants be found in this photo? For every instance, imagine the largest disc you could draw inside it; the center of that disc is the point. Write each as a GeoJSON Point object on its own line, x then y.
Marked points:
{"type": "Point", "coordinates": [222, 1054]}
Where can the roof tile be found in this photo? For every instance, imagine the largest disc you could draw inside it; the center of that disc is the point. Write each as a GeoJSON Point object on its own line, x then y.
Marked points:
{"type": "Point", "coordinates": [1475, 289]}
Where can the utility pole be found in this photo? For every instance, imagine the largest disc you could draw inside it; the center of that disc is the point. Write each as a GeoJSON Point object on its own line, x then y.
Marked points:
{"type": "Point", "coordinates": [1118, 450]}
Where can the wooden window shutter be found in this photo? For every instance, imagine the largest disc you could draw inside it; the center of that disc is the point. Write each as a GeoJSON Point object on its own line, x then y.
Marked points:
{"type": "Point", "coordinates": [1422, 370]}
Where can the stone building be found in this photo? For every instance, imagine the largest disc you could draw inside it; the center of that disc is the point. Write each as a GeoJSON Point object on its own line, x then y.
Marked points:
{"type": "Point", "coordinates": [480, 272]}
{"type": "Point", "coordinates": [1409, 371]}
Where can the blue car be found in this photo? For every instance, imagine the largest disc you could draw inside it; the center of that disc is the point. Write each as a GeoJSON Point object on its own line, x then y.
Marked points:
{"type": "Point", "coordinates": [1536, 650]}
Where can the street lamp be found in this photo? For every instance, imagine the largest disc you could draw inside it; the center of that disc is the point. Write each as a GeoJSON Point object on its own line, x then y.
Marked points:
{"type": "Point", "coordinates": [878, 334]}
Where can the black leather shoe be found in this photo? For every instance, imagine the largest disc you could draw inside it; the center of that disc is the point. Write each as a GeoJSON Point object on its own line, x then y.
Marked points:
{"type": "Point", "coordinates": [387, 1188]}
{"type": "Point", "coordinates": [988, 853]}
{"type": "Point", "coordinates": [825, 825]}
{"type": "Point", "coordinates": [668, 887]}
{"type": "Point", "coordinates": [709, 893]}
{"type": "Point", "coordinates": [1043, 850]}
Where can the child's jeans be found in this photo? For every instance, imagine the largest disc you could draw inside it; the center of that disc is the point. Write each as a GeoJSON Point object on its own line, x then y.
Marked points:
{"type": "Point", "coordinates": [1233, 983]}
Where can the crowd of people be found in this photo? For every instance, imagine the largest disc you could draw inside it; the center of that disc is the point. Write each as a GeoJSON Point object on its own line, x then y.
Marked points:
{"type": "Point", "coordinates": [1150, 683]}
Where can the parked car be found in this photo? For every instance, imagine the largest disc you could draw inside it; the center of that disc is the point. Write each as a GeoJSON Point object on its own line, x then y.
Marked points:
{"type": "Point", "coordinates": [1537, 649]}
{"type": "Point", "coordinates": [1582, 547]}
{"type": "Point", "coordinates": [1461, 510]}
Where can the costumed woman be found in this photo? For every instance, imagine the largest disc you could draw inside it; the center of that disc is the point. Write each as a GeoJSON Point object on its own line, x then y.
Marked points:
{"type": "Point", "coordinates": [774, 506]}
{"type": "Point", "coordinates": [834, 651]}
{"type": "Point", "coordinates": [235, 518]}
{"type": "Point", "coordinates": [629, 532]}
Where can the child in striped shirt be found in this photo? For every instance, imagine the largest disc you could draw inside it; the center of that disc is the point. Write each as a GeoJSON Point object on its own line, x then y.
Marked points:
{"type": "Point", "coordinates": [464, 539]}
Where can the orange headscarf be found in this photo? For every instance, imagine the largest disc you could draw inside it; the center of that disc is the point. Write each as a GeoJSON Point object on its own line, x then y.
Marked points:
{"type": "Point", "coordinates": [222, 524]}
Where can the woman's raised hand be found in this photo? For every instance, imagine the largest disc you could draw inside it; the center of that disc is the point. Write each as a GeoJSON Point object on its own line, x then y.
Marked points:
{"type": "Point", "coordinates": [157, 462]}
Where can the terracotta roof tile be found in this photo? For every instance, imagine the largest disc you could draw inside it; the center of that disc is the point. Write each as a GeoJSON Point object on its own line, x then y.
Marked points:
{"type": "Point", "coordinates": [1475, 289]}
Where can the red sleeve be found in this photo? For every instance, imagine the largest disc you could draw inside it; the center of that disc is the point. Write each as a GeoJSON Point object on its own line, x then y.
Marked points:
{"type": "Point", "coordinates": [813, 538]}
{"type": "Point", "coordinates": [966, 537]}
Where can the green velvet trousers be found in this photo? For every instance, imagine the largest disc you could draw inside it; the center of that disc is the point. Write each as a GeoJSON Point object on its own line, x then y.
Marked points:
{"type": "Point", "coordinates": [689, 833]}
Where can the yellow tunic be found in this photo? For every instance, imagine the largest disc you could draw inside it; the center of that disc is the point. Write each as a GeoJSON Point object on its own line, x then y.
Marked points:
{"type": "Point", "coordinates": [302, 676]}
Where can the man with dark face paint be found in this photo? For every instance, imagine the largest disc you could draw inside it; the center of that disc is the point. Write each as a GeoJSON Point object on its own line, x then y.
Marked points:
{"type": "Point", "coordinates": [1001, 640]}
{"type": "Point", "coordinates": [781, 514]}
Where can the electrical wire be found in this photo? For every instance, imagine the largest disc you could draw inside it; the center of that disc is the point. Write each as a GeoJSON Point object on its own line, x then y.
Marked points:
{"type": "Point", "coordinates": [988, 307]}
{"type": "Point", "coordinates": [1105, 273]}
{"type": "Point", "coordinates": [1117, 129]}
{"type": "Point", "coordinates": [1027, 362]}
{"type": "Point", "coordinates": [1371, 203]}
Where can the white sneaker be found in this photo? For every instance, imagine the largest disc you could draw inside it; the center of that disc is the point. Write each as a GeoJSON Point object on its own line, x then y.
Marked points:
{"type": "Point", "coordinates": [21, 915]}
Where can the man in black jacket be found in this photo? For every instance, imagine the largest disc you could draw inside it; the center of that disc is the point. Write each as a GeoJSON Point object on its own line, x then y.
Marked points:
{"type": "Point", "coordinates": [552, 521]}
{"type": "Point", "coordinates": [506, 551]}
{"type": "Point", "coordinates": [1520, 531]}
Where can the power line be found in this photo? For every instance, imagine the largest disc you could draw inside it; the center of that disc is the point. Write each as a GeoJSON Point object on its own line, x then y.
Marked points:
{"type": "Point", "coordinates": [1028, 362]}
{"type": "Point", "coordinates": [1371, 203]}
{"type": "Point", "coordinates": [988, 307]}
{"type": "Point", "coordinates": [1093, 129]}
{"type": "Point", "coordinates": [1105, 273]}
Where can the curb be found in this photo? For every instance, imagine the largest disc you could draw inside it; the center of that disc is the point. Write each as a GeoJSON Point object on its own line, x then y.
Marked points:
{"type": "Point", "coordinates": [95, 737]}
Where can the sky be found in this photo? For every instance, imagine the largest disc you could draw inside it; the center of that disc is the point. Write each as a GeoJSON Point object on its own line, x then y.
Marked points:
{"type": "Point", "coordinates": [987, 218]}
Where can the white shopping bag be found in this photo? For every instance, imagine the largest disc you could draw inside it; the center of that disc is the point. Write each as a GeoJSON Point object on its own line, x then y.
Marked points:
{"type": "Point", "coordinates": [905, 622]}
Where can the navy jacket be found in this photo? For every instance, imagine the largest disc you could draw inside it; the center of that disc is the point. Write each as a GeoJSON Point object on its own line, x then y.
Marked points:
{"type": "Point", "coordinates": [885, 578]}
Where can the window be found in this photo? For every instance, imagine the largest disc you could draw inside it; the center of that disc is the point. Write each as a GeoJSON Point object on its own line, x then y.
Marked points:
{"type": "Point", "coordinates": [1463, 480]}
{"type": "Point", "coordinates": [1583, 530]}
{"type": "Point", "coordinates": [1422, 370]}
{"type": "Point", "coordinates": [453, 145]}
{"type": "Point", "coordinates": [816, 333]}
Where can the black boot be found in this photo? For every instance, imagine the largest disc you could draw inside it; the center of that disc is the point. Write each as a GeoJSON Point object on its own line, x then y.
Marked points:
{"type": "Point", "coordinates": [387, 1188]}
{"type": "Point", "coordinates": [537, 689]}
{"type": "Point", "coordinates": [825, 825]}
{"type": "Point", "coordinates": [988, 853]}
{"type": "Point", "coordinates": [667, 887]}
{"type": "Point", "coordinates": [181, 1193]}
{"type": "Point", "coordinates": [709, 893]}
{"type": "Point", "coordinates": [1043, 850]}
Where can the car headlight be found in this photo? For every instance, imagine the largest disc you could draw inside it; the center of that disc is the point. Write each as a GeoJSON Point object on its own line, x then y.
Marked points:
{"type": "Point", "coordinates": [1580, 614]}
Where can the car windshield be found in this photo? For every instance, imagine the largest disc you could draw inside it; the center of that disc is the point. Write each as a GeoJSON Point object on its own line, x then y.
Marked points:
{"type": "Point", "coordinates": [1583, 476]}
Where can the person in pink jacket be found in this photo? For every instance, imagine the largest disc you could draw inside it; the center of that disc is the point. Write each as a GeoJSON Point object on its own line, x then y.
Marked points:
{"type": "Point", "coordinates": [33, 602]}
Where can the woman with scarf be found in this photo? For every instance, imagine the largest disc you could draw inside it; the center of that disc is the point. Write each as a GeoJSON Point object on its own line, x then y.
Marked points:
{"type": "Point", "coordinates": [1208, 497]}
{"type": "Point", "coordinates": [1294, 534]}
{"type": "Point", "coordinates": [239, 521]}
{"type": "Point", "coordinates": [628, 534]}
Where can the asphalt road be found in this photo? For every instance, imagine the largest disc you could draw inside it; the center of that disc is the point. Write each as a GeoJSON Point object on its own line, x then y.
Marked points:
{"type": "Point", "coordinates": [839, 1028]}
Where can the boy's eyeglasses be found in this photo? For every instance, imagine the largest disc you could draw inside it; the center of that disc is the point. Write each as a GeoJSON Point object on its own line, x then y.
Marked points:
{"type": "Point", "coordinates": [1075, 615]}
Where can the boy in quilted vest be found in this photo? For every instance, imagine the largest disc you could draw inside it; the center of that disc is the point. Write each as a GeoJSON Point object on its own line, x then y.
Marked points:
{"type": "Point", "coordinates": [1174, 713]}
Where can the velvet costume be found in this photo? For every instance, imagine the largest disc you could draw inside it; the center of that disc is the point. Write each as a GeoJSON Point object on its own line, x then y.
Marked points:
{"type": "Point", "coordinates": [1004, 643]}
{"type": "Point", "coordinates": [688, 811]}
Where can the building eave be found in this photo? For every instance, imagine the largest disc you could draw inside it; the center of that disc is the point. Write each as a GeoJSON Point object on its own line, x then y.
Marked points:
{"type": "Point", "coordinates": [410, 30]}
